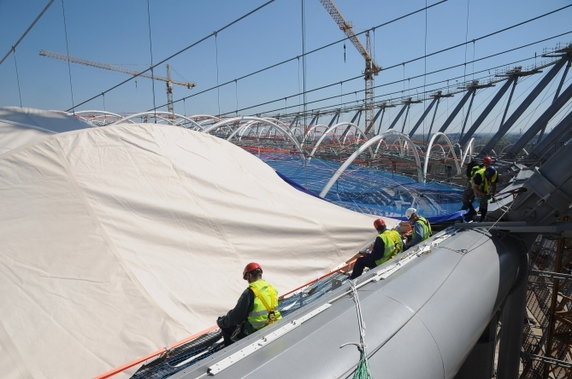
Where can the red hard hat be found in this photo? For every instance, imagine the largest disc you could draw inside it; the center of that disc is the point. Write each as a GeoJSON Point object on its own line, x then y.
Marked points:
{"type": "Point", "coordinates": [487, 160]}
{"type": "Point", "coordinates": [379, 223]}
{"type": "Point", "coordinates": [251, 267]}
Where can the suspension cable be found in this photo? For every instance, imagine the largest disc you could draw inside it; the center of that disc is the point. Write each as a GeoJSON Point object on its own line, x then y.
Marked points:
{"type": "Point", "coordinates": [13, 48]}
{"type": "Point", "coordinates": [17, 78]}
{"type": "Point", "coordinates": [151, 67]}
{"type": "Point", "coordinates": [68, 54]}
{"type": "Point", "coordinates": [388, 67]}
{"type": "Point", "coordinates": [409, 78]}
{"type": "Point", "coordinates": [180, 52]}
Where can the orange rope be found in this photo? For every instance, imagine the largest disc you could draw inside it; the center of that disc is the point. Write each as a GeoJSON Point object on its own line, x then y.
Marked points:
{"type": "Point", "coordinates": [321, 277]}
{"type": "Point", "coordinates": [154, 354]}
{"type": "Point", "coordinates": [187, 339]}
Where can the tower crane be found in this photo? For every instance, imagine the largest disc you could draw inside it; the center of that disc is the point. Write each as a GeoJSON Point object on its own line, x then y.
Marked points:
{"type": "Point", "coordinates": [371, 68]}
{"type": "Point", "coordinates": [169, 82]}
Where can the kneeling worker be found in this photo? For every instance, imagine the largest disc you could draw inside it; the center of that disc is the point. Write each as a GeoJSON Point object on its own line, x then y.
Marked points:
{"type": "Point", "coordinates": [387, 244]}
{"type": "Point", "coordinates": [255, 308]}
{"type": "Point", "coordinates": [420, 225]}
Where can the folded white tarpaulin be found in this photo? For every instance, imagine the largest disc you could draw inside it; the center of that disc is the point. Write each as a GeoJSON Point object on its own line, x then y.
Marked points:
{"type": "Point", "coordinates": [19, 126]}
{"type": "Point", "coordinates": [120, 240]}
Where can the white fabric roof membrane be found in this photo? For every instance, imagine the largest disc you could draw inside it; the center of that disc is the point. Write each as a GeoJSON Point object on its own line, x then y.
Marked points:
{"type": "Point", "coordinates": [121, 240]}
{"type": "Point", "coordinates": [19, 126]}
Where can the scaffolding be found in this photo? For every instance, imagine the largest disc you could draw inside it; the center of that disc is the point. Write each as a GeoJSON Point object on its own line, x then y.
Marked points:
{"type": "Point", "coordinates": [547, 340]}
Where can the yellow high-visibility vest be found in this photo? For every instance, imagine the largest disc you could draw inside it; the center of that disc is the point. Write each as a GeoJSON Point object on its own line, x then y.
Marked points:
{"type": "Point", "coordinates": [393, 244]}
{"type": "Point", "coordinates": [264, 310]}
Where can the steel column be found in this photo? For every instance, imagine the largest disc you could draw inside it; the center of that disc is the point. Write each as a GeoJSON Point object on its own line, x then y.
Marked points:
{"type": "Point", "coordinates": [541, 122]}
{"type": "Point", "coordinates": [435, 99]}
{"type": "Point", "coordinates": [560, 134]}
{"type": "Point", "coordinates": [486, 112]}
{"type": "Point", "coordinates": [524, 105]}
{"type": "Point", "coordinates": [398, 116]}
{"type": "Point", "coordinates": [459, 106]}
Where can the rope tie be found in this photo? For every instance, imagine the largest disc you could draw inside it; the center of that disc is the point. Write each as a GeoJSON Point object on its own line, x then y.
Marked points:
{"type": "Point", "coordinates": [362, 370]}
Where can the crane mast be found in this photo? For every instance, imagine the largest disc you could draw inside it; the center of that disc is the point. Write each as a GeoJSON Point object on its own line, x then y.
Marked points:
{"type": "Point", "coordinates": [168, 81]}
{"type": "Point", "coordinates": [371, 68]}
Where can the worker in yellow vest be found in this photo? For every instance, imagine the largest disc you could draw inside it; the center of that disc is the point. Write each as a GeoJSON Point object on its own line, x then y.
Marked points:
{"type": "Point", "coordinates": [255, 308]}
{"type": "Point", "coordinates": [386, 245]}
{"type": "Point", "coordinates": [421, 228]}
{"type": "Point", "coordinates": [484, 183]}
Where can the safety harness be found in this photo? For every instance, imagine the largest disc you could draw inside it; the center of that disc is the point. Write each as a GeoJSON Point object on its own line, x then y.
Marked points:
{"type": "Point", "coordinates": [272, 313]}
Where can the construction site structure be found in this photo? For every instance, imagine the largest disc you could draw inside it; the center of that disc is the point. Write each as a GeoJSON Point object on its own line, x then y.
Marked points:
{"type": "Point", "coordinates": [371, 68]}
{"type": "Point", "coordinates": [168, 81]}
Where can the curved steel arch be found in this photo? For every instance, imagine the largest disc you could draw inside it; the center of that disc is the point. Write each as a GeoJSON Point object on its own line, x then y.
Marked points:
{"type": "Point", "coordinates": [286, 131]}
{"type": "Point", "coordinates": [358, 130]}
{"type": "Point", "coordinates": [204, 117]}
{"type": "Point", "coordinates": [330, 129]}
{"type": "Point", "coordinates": [310, 130]}
{"type": "Point", "coordinates": [361, 149]}
{"type": "Point", "coordinates": [97, 111]}
{"type": "Point", "coordinates": [428, 152]}
{"type": "Point", "coordinates": [467, 152]}
{"type": "Point", "coordinates": [406, 138]}
{"type": "Point", "coordinates": [105, 113]}
{"type": "Point", "coordinates": [130, 117]}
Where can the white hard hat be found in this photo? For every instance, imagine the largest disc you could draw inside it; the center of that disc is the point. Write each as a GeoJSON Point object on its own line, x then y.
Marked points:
{"type": "Point", "coordinates": [409, 212]}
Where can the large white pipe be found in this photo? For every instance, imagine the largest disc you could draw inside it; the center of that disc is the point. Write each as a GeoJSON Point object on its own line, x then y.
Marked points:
{"type": "Point", "coordinates": [422, 321]}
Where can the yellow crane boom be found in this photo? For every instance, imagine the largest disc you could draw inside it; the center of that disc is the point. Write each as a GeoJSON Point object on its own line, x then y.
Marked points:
{"type": "Point", "coordinates": [105, 66]}
{"type": "Point", "coordinates": [371, 68]}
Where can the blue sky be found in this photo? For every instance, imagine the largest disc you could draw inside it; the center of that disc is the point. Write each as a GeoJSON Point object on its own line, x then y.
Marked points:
{"type": "Point", "coordinates": [124, 33]}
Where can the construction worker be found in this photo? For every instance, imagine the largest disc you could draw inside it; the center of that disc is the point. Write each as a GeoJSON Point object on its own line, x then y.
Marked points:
{"type": "Point", "coordinates": [386, 245]}
{"type": "Point", "coordinates": [484, 183]}
{"type": "Point", "coordinates": [468, 193]}
{"type": "Point", "coordinates": [421, 228]}
{"type": "Point", "coordinates": [255, 308]}
{"type": "Point", "coordinates": [405, 230]}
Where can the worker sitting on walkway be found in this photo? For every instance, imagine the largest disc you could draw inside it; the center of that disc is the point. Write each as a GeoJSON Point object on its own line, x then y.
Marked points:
{"type": "Point", "coordinates": [484, 184]}
{"type": "Point", "coordinates": [421, 227]}
{"type": "Point", "coordinates": [387, 244]}
{"type": "Point", "coordinates": [255, 308]}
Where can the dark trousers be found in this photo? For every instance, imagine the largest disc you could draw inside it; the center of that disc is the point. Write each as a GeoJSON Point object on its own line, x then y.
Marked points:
{"type": "Point", "coordinates": [361, 263]}
{"type": "Point", "coordinates": [468, 198]}
{"type": "Point", "coordinates": [483, 206]}
{"type": "Point", "coordinates": [232, 334]}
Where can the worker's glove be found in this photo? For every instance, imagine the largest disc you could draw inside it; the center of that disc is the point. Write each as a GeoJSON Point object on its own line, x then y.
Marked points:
{"type": "Point", "coordinates": [219, 321]}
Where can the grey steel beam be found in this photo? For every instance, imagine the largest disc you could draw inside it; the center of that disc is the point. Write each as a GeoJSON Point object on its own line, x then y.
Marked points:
{"type": "Point", "coordinates": [524, 105]}
{"type": "Point", "coordinates": [449, 120]}
{"type": "Point", "coordinates": [294, 121]}
{"type": "Point", "coordinates": [356, 116]}
{"type": "Point", "coordinates": [405, 118]}
{"type": "Point", "coordinates": [409, 102]}
{"type": "Point", "coordinates": [541, 122]}
{"type": "Point", "coordinates": [559, 135]}
{"type": "Point", "coordinates": [353, 121]}
{"type": "Point", "coordinates": [314, 120]}
{"type": "Point", "coordinates": [435, 100]}
{"type": "Point", "coordinates": [467, 115]}
{"type": "Point", "coordinates": [336, 117]}
{"type": "Point", "coordinates": [556, 95]}
{"type": "Point", "coordinates": [372, 123]}
{"type": "Point", "coordinates": [509, 101]}
{"type": "Point", "coordinates": [384, 106]}
{"type": "Point", "coordinates": [486, 112]}
{"type": "Point", "coordinates": [434, 115]}
{"type": "Point", "coordinates": [398, 116]}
